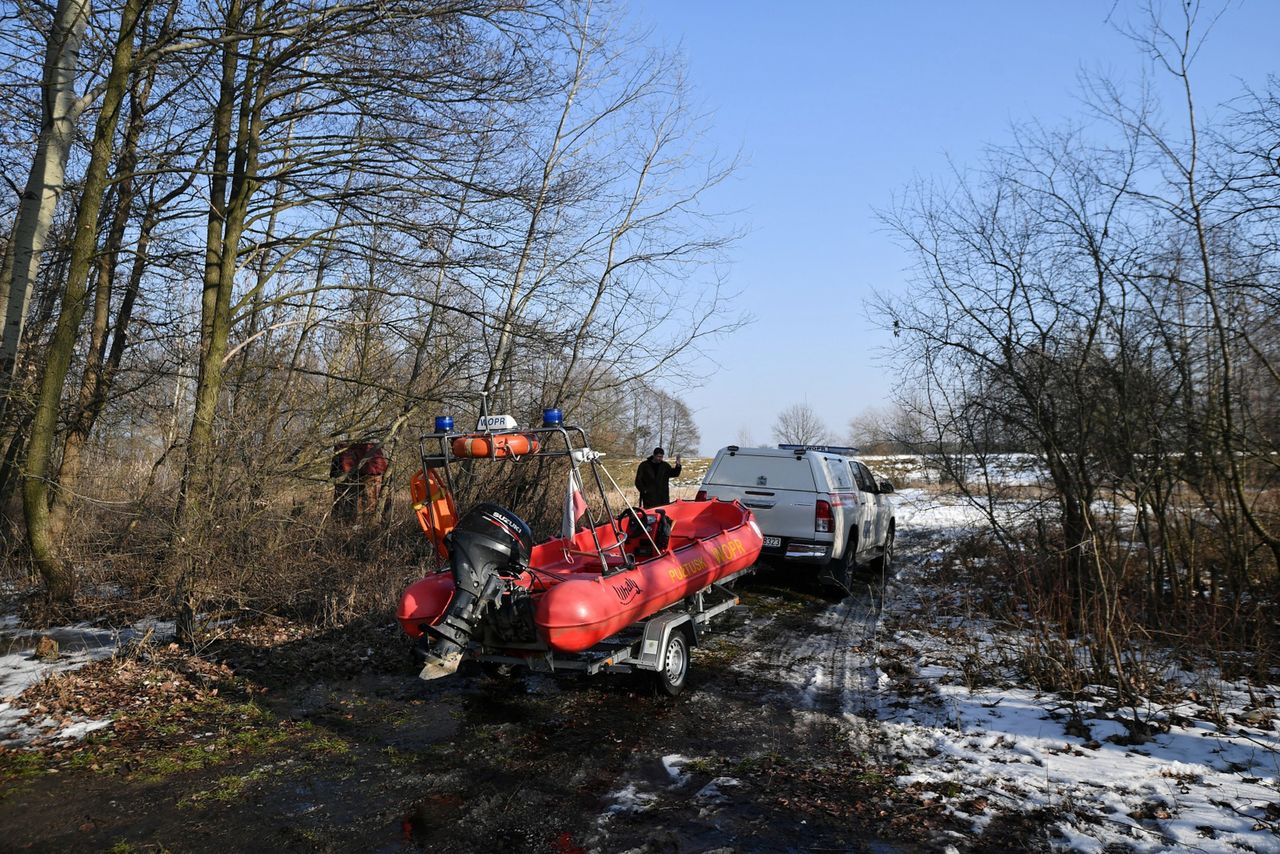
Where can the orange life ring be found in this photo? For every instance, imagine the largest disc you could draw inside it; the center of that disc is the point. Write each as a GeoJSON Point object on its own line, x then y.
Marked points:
{"type": "Point", "coordinates": [494, 445]}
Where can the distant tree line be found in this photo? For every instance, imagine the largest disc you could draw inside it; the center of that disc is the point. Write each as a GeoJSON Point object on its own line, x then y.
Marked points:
{"type": "Point", "coordinates": [241, 232]}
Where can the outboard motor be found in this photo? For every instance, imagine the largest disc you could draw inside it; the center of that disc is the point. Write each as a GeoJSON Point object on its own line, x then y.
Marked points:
{"type": "Point", "coordinates": [489, 547]}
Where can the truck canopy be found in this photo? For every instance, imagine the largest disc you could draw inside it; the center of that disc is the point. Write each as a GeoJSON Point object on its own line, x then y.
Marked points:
{"type": "Point", "coordinates": [765, 471]}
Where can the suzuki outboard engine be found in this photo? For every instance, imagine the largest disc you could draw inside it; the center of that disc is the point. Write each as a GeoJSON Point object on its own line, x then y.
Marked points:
{"type": "Point", "coordinates": [489, 547]}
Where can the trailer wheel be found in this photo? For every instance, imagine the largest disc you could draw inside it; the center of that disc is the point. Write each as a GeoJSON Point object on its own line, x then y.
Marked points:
{"type": "Point", "coordinates": [675, 665]}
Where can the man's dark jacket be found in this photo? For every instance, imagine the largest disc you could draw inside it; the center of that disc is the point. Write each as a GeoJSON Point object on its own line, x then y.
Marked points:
{"type": "Point", "coordinates": [652, 478]}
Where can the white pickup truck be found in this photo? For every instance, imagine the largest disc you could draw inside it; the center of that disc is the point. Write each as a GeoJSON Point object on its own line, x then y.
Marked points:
{"type": "Point", "coordinates": [814, 504]}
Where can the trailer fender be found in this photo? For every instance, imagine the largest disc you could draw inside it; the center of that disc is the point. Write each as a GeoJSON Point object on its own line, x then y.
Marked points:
{"type": "Point", "coordinates": [657, 631]}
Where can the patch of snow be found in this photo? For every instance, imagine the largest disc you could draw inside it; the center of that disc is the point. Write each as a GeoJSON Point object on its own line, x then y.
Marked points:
{"type": "Point", "coordinates": [1201, 785]}
{"type": "Point", "coordinates": [629, 799]}
{"type": "Point", "coordinates": [78, 645]}
{"type": "Point", "coordinates": [81, 728]}
{"type": "Point", "coordinates": [713, 792]}
{"type": "Point", "coordinates": [20, 669]}
{"type": "Point", "coordinates": [674, 763]}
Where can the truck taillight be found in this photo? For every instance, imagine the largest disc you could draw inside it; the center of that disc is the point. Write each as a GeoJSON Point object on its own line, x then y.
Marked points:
{"type": "Point", "coordinates": [701, 496]}
{"type": "Point", "coordinates": [823, 521]}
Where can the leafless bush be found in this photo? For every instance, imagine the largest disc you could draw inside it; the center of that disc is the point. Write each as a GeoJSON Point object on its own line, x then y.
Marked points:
{"type": "Point", "coordinates": [1121, 642]}
{"type": "Point", "coordinates": [1103, 302]}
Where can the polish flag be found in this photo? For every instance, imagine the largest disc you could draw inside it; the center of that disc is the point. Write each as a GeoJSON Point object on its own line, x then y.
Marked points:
{"type": "Point", "coordinates": [574, 505]}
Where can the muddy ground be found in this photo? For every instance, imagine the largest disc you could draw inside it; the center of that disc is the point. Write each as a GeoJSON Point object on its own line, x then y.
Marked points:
{"type": "Point", "coordinates": [283, 739]}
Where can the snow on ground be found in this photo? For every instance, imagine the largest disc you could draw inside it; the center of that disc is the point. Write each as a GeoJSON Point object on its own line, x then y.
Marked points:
{"type": "Point", "coordinates": [1209, 782]}
{"type": "Point", "coordinates": [1194, 787]}
{"type": "Point", "coordinates": [78, 645]}
{"type": "Point", "coordinates": [1012, 469]}
{"type": "Point", "coordinates": [919, 510]}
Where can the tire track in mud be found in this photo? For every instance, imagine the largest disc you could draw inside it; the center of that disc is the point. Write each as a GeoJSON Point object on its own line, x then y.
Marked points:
{"type": "Point", "coordinates": [832, 658]}
{"type": "Point", "coordinates": [901, 676]}
{"type": "Point", "coordinates": [826, 656]}
{"type": "Point", "coordinates": [707, 775]}
{"type": "Point", "coordinates": [852, 659]}
{"type": "Point", "coordinates": [893, 683]}
{"type": "Point", "coordinates": [793, 689]}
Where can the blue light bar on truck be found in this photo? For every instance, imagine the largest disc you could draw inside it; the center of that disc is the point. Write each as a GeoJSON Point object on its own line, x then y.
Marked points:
{"type": "Point", "coordinates": [822, 449]}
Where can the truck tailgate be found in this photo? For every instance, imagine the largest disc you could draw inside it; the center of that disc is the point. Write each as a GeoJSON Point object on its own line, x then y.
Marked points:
{"type": "Point", "coordinates": [779, 512]}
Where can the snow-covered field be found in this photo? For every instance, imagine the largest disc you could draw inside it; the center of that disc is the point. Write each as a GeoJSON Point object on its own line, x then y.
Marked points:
{"type": "Point", "coordinates": [1208, 779]}
{"type": "Point", "coordinates": [999, 470]}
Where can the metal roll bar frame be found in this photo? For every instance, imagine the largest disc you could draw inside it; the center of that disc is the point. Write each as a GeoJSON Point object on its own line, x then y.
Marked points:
{"type": "Point", "coordinates": [564, 432]}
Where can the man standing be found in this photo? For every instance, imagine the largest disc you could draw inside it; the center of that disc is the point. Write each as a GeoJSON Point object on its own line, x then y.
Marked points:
{"type": "Point", "coordinates": [652, 478]}
{"type": "Point", "coordinates": [356, 470]}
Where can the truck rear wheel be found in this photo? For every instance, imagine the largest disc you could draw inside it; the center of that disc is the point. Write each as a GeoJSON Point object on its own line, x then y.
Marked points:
{"type": "Point", "coordinates": [674, 667]}
{"type": "Point", "coordinates": [838, 574]}
{"type": "Point", "coordinates": [884, 563]}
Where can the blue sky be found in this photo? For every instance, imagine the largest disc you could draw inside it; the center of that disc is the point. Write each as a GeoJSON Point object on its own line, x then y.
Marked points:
{"type": "Point", "coordinates": [839, 106]}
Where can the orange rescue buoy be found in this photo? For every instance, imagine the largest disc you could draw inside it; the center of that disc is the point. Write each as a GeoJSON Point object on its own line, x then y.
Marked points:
{"type": "Point", "coordinates": [494, 445]}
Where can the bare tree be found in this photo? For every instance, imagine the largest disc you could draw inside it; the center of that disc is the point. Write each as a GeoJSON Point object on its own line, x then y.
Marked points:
{"type": "Point", "coordinates": [1106, 306]}
{"type": "Point", "coordinates": [58, 575]}
{"type": "Point", "coordinates": [61, 109]}
{"type": "Point", "coordinates": [799, 424]}
{"type": "Point", "coordinates": [890, 430]}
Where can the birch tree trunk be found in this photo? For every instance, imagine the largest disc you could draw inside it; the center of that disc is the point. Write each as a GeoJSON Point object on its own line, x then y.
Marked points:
{"type": "Point", "coordinates": [60, 112]}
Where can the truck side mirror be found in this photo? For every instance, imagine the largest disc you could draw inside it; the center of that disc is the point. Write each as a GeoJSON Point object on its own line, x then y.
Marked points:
{"type": "Point", "coordinates": [886, 486]}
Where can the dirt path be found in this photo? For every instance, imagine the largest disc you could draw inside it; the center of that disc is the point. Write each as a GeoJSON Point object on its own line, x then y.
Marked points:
{"type": "Point", "coordinates": [766, 750]}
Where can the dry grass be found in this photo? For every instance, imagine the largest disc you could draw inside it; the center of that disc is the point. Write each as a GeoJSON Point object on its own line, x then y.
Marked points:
{"type": "Point", "coordinates": [282, 552]}
{"type": "Point", "coordinates": [1075, 635]}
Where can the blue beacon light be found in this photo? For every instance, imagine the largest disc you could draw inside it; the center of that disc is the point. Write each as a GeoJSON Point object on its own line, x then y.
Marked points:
{"type": "Point", "coordinates": [444, 423]}
{"type": "Point", "coordinates": [552, 418]}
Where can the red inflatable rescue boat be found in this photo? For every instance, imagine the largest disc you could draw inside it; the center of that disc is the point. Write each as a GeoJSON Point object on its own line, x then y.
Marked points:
{"type": "Point", "coordinates": [615, 592]}
{"type": "Point", "coordinates": [580, 600]}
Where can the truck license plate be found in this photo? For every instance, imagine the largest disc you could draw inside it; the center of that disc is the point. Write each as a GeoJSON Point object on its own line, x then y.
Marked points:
{"type": "Point", "coordinates": [772, 542]}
